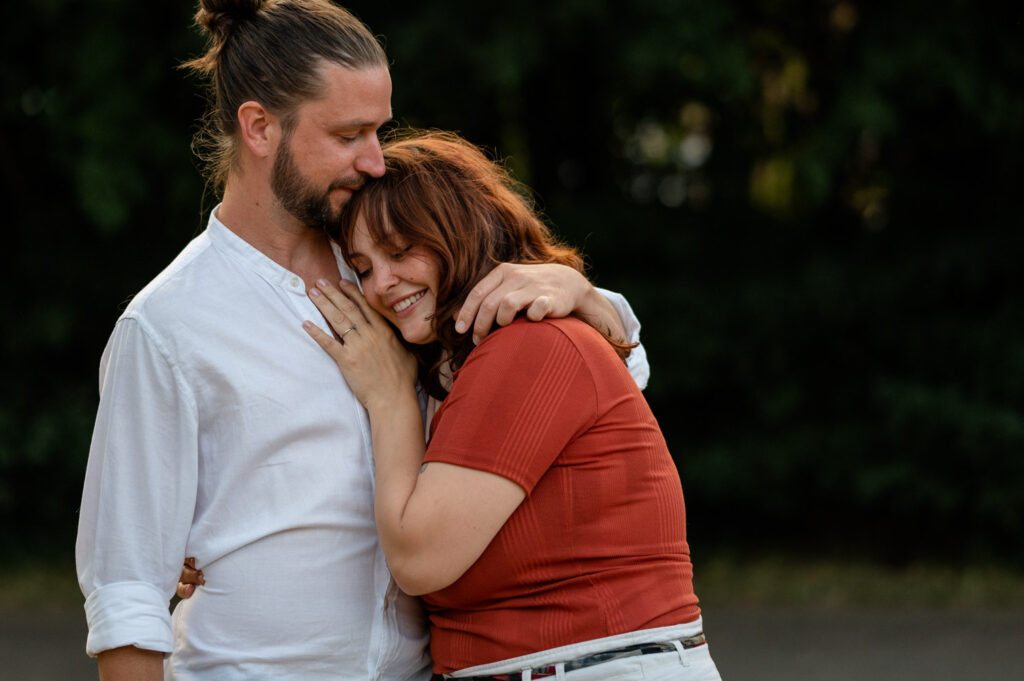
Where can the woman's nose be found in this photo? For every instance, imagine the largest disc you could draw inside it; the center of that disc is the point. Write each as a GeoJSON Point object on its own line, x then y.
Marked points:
{"type": "Point", "coordinates": [384, 278]}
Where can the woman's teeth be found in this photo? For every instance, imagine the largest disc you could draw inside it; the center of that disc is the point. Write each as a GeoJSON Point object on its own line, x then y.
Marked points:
{"type": "Point", "coordinates": [406, 302]}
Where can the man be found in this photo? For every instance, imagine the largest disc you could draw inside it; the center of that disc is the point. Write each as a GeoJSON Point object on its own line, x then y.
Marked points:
{"type": "Point", "coordinates": [223, 431]}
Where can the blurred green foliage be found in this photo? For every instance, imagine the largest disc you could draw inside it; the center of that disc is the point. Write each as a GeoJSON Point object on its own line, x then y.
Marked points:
{"type": "Point", "coordinates": [810, 204]}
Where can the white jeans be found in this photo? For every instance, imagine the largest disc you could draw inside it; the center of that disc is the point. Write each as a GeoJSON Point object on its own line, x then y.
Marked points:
{"type": "Point", "coordinates": [693, 664]}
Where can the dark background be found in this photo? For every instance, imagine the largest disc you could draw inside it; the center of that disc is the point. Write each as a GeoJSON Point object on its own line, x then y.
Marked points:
{"type": "Point", "coordinates": [811, 205]}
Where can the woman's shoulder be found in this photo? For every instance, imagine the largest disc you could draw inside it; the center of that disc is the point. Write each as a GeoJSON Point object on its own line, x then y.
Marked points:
{"type": "Point", "coordinates": [569, 330]}
{"type": "Point", "coordinates": [526, 351]}
{"type": "Point", "coordinates": [526, 348]}
{"type": "Point", "coordinates": [524, 341]}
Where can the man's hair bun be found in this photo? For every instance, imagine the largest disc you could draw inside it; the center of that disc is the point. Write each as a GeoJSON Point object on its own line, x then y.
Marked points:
{"type": "Point", "coordinates": [219, 17]}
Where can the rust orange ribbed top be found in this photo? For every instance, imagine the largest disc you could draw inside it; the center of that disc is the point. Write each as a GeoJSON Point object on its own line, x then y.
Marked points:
{"type": "Point", "coordinates": [598, 547]}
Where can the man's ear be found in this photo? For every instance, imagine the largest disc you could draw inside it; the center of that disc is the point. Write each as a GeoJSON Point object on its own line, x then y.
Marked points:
{"type": "Point", "coordinates": [260, 129]}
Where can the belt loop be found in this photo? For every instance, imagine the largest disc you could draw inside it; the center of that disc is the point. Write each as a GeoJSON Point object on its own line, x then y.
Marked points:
{"type": "Point", "coordinates": [682, 653]}
{"type": "Point", "coordinates": [527, 674]}
{"type": "Point", "coordinates": [560, 671]}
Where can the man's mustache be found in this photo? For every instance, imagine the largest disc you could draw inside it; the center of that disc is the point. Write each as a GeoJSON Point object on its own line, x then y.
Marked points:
{"type": "Point", "coordinates": [355, 182]}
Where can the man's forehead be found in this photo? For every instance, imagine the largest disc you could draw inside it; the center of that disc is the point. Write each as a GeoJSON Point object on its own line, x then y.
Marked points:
{"type": "Point", "coordinates": [335, 77]}
{"type": "Point", "coordinates": [354, 98]}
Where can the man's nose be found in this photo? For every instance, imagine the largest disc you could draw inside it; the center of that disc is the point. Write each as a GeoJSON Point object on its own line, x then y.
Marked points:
{"type": "Point", "coordinates": [371, 158]}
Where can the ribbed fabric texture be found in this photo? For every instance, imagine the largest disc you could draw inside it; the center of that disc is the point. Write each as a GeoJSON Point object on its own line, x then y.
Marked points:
{"type": "Point", "coordinates": [598, 547]}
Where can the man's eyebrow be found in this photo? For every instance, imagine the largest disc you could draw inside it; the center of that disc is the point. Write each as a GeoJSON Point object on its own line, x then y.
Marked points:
{"type": "Point", "coordinates": [363, 123]}
{"type": "Point", "coordinates": [353, 125]}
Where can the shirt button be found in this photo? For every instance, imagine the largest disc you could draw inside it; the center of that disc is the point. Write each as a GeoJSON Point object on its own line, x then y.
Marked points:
{"type": "Point", "coordinates": [295, 281]}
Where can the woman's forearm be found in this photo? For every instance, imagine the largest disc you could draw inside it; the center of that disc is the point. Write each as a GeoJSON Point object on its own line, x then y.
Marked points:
{"type": "Point", "coordinates": [433, 524]}
{"type": "Point", "coordinates": [398, 446]}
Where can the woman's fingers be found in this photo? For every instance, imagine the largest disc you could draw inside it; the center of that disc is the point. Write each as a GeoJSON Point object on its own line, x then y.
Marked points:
{"type": "Point", "coordinates": [324, 340]}
{"type": "Point", "coordinates": [190, 574]}
{"type": "Point", "coordinates": [353, 292]}
{"type": "Point", "coordinates": [374, 363]}
{"type": "Point", "coordinates": [328, 305]}
{"type": "Point", "coordinates": [346, 309]}
{"type": "Point", "coordinates": [342, 301]}
{"type": "Point", "coordinates": [189, 578]}
{"type": "Point", "coordinates": [344, 315]}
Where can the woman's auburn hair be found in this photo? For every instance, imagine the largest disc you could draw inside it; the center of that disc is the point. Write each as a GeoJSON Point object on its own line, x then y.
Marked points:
{"type": "Point", "coordinates": [442, 193]}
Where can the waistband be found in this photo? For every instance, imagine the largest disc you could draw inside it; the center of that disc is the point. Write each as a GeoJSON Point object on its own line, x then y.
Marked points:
{"type": "Point", "coordinates": [694, 641]}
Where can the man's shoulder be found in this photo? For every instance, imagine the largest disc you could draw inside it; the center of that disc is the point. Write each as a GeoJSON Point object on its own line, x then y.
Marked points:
{"type": "Point", "coordinates": [176, 286]}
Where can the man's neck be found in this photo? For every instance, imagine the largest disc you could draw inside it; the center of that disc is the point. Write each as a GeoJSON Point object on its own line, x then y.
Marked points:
{"type": "Point", "coordinates": [261, 221]}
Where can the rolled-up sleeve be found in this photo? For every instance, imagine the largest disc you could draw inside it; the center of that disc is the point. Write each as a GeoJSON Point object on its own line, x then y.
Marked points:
{"type": "Point", "coordinates": [637, 360]}
{"type": "Point", "coordinates": [139, 494]}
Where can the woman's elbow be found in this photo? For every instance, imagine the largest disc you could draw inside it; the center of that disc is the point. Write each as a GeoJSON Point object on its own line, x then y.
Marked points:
{"type": "Point", "coordinates": [418, 576]}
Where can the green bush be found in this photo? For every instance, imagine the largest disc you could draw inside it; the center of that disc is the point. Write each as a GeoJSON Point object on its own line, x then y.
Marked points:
{"type": "Point", "coordinates": [809, 204]}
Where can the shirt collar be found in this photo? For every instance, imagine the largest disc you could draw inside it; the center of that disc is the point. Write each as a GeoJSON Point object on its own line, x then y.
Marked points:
{"type": "Point", "coordinates": [241, 250]}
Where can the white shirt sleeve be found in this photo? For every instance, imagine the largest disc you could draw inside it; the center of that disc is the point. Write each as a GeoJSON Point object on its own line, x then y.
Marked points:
{"type": "Point", "coordinates": [139, 494]}
{"type": "Point", "coordinates": [637, 360]}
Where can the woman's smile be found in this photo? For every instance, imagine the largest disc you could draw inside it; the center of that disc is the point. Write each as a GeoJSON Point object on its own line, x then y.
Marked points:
{"type": "Point", "coordinates": [408, 301]}
{"type": "Point", "coordinates": [399, 281]}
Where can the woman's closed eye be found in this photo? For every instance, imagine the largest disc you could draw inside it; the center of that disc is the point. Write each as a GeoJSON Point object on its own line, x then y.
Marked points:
{"type": "Point", "coordinates": [400, 254]}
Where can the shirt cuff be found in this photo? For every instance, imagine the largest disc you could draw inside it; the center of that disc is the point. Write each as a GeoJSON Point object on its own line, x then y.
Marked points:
{"type": "Point", "coordinates": [637, 360]}
{"type": "Point", "coordinates": [128, 614]}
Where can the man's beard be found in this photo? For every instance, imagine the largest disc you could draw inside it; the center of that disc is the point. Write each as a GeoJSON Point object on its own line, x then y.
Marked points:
{"type": "Point", "coordinates": [300, 197]}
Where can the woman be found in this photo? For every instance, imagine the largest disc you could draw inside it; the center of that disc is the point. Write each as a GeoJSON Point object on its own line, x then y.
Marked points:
{"type": "Point", "coordinates": [544, 525]}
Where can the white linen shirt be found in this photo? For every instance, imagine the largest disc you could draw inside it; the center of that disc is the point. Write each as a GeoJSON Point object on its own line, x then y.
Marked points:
{"type": "Point", "coordinates": [224, 432]}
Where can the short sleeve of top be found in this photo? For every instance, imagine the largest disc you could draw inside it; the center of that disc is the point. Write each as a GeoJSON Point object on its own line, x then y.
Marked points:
{"type": "Point", "coordinates": [522, 395]}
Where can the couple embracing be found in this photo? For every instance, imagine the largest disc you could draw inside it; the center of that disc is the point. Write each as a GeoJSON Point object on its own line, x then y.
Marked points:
{"type": "Point", "coordinates": [461, 434]}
